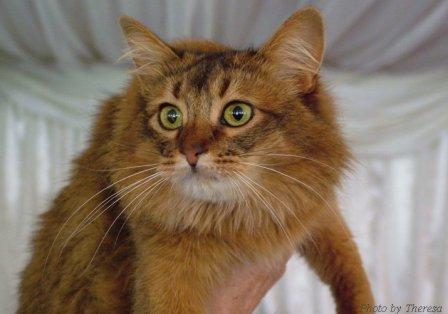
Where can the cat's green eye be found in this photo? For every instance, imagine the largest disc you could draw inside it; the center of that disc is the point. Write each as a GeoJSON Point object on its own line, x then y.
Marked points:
{"type": "Point", "coordinates": [170, 117]}
{"type": "Point", "coordinates": [237, 114]}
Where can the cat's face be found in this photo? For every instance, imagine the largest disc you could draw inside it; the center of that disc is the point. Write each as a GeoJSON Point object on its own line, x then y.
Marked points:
{"type": "Point", "coordinates": [211, 116]}
{"type": "Point", "coordinates": [224, 126]}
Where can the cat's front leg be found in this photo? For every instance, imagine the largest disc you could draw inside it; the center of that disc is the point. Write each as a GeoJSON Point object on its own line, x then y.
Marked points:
{"type": "Point", "coordinates": [176, 274]}
{"type": "Point", "coordinates": [334, 257]}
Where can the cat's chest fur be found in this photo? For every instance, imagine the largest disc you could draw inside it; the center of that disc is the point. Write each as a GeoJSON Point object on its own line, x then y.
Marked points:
{"type": "Point", "coordinates": [223, 249]}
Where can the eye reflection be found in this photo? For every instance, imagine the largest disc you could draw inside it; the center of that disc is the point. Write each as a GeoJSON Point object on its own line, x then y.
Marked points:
{"type": "Point", "coordinates": [170, 117]}
{"type": "Point", "coordinates": [237, 114]}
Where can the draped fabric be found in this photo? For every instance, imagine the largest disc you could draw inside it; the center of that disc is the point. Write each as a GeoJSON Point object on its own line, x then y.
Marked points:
{"type": "Point", "coordinates": [367, 35]}
{"type": "Point", "coordinates": [386, 63]}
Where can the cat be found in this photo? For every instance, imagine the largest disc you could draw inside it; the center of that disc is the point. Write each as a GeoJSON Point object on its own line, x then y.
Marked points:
{"type": "Point", "coordinates": [211, 158]}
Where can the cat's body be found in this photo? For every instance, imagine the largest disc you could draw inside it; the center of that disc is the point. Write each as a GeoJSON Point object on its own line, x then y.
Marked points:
{"type": "Point", "coordinates": [125, 237]}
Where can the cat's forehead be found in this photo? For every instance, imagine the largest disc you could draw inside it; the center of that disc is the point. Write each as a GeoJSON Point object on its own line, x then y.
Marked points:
{"type": "Point", "coordinates": [208, 73]}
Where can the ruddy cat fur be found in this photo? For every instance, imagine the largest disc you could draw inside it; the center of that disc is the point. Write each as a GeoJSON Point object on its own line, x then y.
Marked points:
{"type": "Point", "coordinates": [210, 159]}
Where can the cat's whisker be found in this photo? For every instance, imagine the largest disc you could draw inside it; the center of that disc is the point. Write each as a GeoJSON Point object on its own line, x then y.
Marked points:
{"type": "Point", "coordinates": [113, 198]}
{"type": "Point", "coordinates": [317, 178]}
{"type": "Point", "coordinates": [236, 188]}
{"type": "Point", "coordinates": [115, 220]}
{"type": "Point", "coordinates": [290, 156]}
{"type": "Point", "coordinates": [135, 207]}
{"type": "Point", "coordinates": [81, 206]}
{"type": "Point", "coordinates": [81, 227]}
{"type": "Point", "coordinates": [308, 233]}
{"type": "Point", "coordinates": [310, 188]}
{"type": "Point", "coordinates": [246, 201]}
{"type": "Point", "coordinates": [269, 208]}
{"type": "Point", "coordinates": [171, 186]}
{"type": "Point", "coordinates": [124, 168]}
{"type": "Point", "coordinates": [259, 151]}
{"type": "Point", "coordinates": [119, 193]}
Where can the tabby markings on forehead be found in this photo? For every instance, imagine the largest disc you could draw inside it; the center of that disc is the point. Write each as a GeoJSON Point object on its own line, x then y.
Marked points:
{"type": "Point", "coordinates": [224, 87]}
{"type": "Point", "coordinates": [224, 59]}
{"type": "Point", "coordinates": [176, 89]}
{"type": "Point", "coordinates": [199, 79]}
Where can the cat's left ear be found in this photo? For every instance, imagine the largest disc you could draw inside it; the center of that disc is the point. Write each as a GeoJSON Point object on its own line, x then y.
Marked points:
{"type": "Point", "coordinates": [148, 51]}
{"type": "Point", "coordinates": [296, 49]}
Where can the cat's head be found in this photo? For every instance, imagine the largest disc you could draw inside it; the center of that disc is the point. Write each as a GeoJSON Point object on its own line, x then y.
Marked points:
{"type": "Point", "coordinates": [224, 125]}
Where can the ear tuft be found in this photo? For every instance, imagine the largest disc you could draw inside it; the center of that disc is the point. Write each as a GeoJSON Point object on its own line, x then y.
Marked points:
{"type": "Point", "coordinates": [297, 48]}
{"type": "Point", "coordinates": [146, 49]}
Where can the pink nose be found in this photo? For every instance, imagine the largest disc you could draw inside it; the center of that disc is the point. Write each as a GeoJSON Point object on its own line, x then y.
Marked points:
{"type": "Point", "coordinates": [192, 154]}
{"type": "Point", "coordinates": [193, 141]}
{"type": "Point", "coordinates": [192, 158]}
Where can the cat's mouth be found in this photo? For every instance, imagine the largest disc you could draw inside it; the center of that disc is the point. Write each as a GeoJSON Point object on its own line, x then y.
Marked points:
{"type": "Point", "coordinates": [202, 174]}
{"type": "Point", "coordinates": [199, 176]}
{"type": "Point", "coordinates": [204, 184]}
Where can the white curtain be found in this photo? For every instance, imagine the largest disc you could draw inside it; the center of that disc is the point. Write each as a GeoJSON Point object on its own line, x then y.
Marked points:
{"type": "Point", "coordinates": [363, 35]}
{"type": "Point", "coordinates": [59, 62]}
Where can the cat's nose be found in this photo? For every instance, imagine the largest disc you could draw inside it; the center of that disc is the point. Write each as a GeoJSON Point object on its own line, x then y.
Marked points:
{"type": "Point", "coordinates": [195, 140]}
{"type": "Point", "coordinates": [192, 153]}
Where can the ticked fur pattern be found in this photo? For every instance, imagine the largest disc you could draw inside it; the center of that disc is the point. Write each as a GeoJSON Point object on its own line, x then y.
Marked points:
{"type": "Point", "coordinates": [141, 228]}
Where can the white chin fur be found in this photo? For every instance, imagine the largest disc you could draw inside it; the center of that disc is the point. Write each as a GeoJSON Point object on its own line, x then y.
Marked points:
{"type": "Point", "coordinates": [195, 186]}
{"type": "Point", "coordinates": [205, 184]}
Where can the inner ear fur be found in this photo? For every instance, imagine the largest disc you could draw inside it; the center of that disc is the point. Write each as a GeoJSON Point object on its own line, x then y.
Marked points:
{"type": "Point", "coordinates": [148, 51]}
{"type": "Point", "coordinates": [296, 49]}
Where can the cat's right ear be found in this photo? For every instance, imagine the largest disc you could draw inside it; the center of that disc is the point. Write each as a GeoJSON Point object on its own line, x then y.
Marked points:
{"type": "Point", "coordinates": [148, 51]}
{"type": "Point", "coordinates": [297, 48]}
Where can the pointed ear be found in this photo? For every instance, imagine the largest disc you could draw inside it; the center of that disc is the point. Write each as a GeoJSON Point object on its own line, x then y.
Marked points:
{"type": "Point", "coordinates": [296, 49]}
{"type": "Point", "coordinates": [147, 50]}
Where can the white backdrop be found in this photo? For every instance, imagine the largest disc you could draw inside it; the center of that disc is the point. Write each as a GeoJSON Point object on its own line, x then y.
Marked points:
{"type": "Point", "coordinates": [394, 108]}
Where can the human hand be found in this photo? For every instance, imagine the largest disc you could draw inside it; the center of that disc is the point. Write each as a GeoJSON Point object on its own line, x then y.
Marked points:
{"type": "Point", "coordinates": [246, 288]}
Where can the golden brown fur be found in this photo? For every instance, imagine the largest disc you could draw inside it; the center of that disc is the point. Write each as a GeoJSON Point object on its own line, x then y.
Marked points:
{"type": "Point", "coordinates": [119, 240]}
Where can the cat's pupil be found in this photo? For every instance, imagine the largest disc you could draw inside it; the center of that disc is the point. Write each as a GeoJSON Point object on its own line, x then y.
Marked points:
{"type": "Point", "coordinates": [238, 113]}
{"type": "Point", "coordinates": [171, 116]}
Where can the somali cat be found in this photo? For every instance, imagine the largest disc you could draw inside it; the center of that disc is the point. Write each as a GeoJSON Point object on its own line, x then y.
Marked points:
{"type": "Point", "coordinates": [210, 159]}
